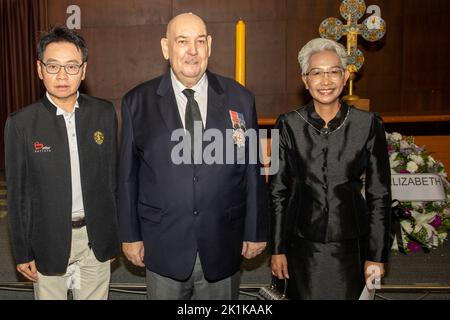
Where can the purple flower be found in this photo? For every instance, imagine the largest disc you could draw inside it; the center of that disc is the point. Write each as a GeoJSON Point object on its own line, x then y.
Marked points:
{"type": "Point", "coordinates": [437, 222]}
{"type": "Point", "coordinates": [413, 246]}
{"type": "Point", "coordinates": [390, 149]}
{"type": "Point", "coordinates": [404, 171]}
{"type": "Point", "coordinates": [406, 214]}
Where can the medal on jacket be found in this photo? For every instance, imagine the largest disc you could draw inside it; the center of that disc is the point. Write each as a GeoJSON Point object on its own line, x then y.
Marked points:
{"type": "Point", "coordinates": [238, 122]}
{"type": "Point", "coordinates": [99, 137]}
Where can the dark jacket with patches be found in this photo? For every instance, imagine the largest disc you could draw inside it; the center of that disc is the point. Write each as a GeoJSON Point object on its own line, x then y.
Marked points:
{"type": "Point", "coordinates": [39, 182]}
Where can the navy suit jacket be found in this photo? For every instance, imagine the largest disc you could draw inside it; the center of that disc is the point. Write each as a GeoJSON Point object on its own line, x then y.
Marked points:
{"type": "Point", "coordinates": [179, 210]}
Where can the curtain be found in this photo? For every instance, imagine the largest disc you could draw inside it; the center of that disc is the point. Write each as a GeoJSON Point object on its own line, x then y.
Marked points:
{"type": "Point", "coordinates": [22, 22]}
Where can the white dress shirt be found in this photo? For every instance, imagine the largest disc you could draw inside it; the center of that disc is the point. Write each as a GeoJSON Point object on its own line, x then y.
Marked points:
{"type": "Point", "coordinates": [201, 96]}
{"type": "Point", "coordinates": [77, 196]}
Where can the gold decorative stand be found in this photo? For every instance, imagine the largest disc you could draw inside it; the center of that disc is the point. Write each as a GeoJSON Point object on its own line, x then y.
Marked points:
{"type": "Point", "coordinates": [372, 29]}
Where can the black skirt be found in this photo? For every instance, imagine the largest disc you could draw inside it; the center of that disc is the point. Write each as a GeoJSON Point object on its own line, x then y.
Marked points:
{"type": "Point", "coordinates": [326, 271]}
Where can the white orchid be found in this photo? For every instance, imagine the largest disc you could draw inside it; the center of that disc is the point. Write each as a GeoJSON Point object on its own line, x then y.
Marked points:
{"type": "Point", "coordinates": [394, 163]}
{"type": "Point", "coordinates": [417, 159]}
{"type": "Point", "coordinates": [404, 144]}
{"type": "Point", "coordinates": [417, 205]}
{"type": "Point", "coordinates": [395, 136]}
{"type": "Point", "coordinates": [422, 222]}
{"type": "Point", "coordinates": [431, 162]}
{"type": "Point", "coordinates": [407, 226]}
{"type": "Point", "coordinates": [412, 167]}
{"type": "Point", "coordinates": [418, 224]}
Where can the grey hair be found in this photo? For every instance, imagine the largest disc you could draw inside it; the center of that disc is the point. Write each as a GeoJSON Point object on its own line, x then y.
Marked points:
{"type": "Point", "coordinates": [319, 45]}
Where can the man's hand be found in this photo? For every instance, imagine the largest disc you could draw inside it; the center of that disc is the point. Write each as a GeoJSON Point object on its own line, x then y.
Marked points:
{"type": "Point", "coordinates": [134, 252]}
{"type": "Point", "coordinates": [279, 266]}
{"type": "Point", "coordinates": [252, 249]}
{"type": "Point", "coordinates": [28, 270]}
{"type": "Point", "coordinates": [372, 271]}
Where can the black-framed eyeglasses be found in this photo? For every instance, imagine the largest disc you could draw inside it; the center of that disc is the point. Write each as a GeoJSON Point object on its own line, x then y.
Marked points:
{"type": "Point", "coordinates": [334, 73]}
{"type": "Point", "coordinates": [70, 68]}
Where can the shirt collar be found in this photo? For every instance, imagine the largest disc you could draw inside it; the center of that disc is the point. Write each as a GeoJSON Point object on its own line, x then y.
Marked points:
{"type": "Point", "coordinates": [60, 111]}
{"type": "Point", "coordinates": [315, 119]}
{"type": "Point", "coordinates": [178, 87]}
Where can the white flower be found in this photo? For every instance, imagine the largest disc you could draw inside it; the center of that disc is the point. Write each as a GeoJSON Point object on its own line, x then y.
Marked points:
{"type": "Point", "coordinates": [394, 163]}
{"type": "Point", "coordinates": [404, 145]}
{"type": "Point", "coordinates": [417, 205]}
{"type": "Point", "coordinates": [395, 136]}
{"type": "Point", "coordinates": [422, 221]}
{"type": "Point", "coordinates": [394, 244]}
{"type": "Point", "coordinates": [431, 162]}
{"type": "Point", "coordinates": [412, 167]}
{"type": "Point", "coordinates": [442, 236]}
{"type": "Point", "coordinates": [418, 227]}
{"type": "Point", "coordinates": [407, 226]}
{"type": "Point", "coordinates": [417, 159]}
{"type": "Point", "coordinates": [434, 240]}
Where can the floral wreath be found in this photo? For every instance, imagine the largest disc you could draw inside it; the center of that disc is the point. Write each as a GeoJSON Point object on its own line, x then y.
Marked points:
{"type": "Point", "coordinates": [420, 225]}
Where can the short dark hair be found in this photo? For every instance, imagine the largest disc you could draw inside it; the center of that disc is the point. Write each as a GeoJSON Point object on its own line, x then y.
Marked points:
{"type": "Point", "coordinates": [62, 34]}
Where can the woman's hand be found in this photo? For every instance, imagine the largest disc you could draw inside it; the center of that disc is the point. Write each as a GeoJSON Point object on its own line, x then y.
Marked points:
{"type": "Point", "coordinates": [373, 272]}
{"type": "Point", "coordinates": [279, 266]}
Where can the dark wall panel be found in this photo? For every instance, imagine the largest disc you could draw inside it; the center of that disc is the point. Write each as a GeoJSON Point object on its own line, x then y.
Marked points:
{"type": "Point", "coordinates": [380, 77]}
{"type": "Point", "coordinates": [426, 86]}
{"type": "Point", "coordinates": [232, 10]}
{"type": "Point", "coordinates": [100, 13]}
{"type": "Point", "coordinates": [120, 61]}
{"type": "Point", "coordinates": [404, 72]}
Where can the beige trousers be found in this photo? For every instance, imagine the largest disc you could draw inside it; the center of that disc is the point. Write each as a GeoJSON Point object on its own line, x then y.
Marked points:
{"type": "Point", "coordinates": [87, 277]}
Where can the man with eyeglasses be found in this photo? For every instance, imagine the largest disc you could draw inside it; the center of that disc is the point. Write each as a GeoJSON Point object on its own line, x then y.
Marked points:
{"type": "Point", "coordinates": [60, 171]}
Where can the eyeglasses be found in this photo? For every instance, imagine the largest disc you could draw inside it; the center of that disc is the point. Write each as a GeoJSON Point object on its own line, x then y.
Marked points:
{"type": "Point", "coordinates": [333, 74]}
{"type": "Point", "coordinates": [54, 68]}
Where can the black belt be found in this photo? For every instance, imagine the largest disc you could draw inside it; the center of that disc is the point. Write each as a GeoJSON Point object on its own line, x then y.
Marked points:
{"type": "Point", "coordinates": [77, 224]}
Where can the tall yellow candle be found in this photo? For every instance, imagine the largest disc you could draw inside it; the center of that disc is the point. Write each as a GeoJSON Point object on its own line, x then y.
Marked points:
{"type": "Point", "coordinates": [240, 52]}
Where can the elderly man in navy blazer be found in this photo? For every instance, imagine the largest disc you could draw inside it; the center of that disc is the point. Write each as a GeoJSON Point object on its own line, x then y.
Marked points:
{"type": "Point", "coordinates": [189, 223]}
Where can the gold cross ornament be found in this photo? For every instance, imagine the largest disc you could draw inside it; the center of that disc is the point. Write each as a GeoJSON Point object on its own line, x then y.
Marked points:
{"type": "Point", "coordinates": [372, 29]}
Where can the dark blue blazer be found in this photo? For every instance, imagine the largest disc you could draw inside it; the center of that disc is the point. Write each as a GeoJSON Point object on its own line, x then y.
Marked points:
{"type": "Point", "coordinates": [179, 210]}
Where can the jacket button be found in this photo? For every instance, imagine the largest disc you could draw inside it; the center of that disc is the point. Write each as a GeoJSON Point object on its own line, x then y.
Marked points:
{"type": "Point", "coordinates": [195, 179]}
{"type": "Point", "coordinates": [196, 213]}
